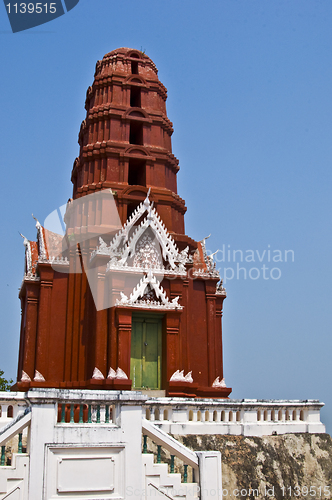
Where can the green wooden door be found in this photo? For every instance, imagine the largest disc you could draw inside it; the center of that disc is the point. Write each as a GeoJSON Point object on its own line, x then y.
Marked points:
{"type": "Point", "coordinates": [145, 362]}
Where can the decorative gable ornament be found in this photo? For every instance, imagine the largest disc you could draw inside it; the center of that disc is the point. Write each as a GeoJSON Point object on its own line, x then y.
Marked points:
{"type": "Point", "coordinates": [111, 374]}
{"type": "Point", "coordinates": [140, 295]}
{"type": "Point", "coordinates": [146, 249]}
{"type": "Point", "coordinates": [25, 377]}
{"type": "Point", "coordinates": [179, 376]}
{"type": "Point", "coordinates": [121, 374]}
{"type": "Point", "coordinates": [118, 374]}
{"type": "Point", "coordinates": [41, 240]}
{"type": "Point", "coordinates": [220, 290]}
{"type": "Point", "coordinates": [219, 383]}
{"type": "Point", "coordinates": [28, 254]}
{"type": "Point", "coordinates": [135, 248]}
{"type": "Point", "coordinates": [146, 255]}
{"type": "Point", "coordinates": [122, 236]}
{"type": "Point", "coordinates": [97, 375]}
{"type": "Point", "coordinates": [38, 377]}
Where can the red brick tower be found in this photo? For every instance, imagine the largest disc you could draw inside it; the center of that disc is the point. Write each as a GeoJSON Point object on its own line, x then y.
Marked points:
{"type": "Point", "coordinates": [159, 325]}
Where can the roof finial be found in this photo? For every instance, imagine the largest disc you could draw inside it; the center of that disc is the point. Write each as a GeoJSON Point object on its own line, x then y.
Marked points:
{"type": "Point", "coordinates": [147, 201]}
{"type": "Point", "coordinates": [204, 239]}
{"type": "Point", "coordinates": [41, 239]}
{"type": "Point", "coordinates": [37, 221]}
{"type": "Point", "coordinates": [26, 241]}
{"type": "Point", "coordinates": [28, 255]}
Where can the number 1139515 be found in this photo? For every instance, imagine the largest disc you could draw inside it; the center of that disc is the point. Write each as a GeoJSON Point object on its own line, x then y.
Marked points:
{"type": "Point", "coordinates": [31, 8]}
{"type": "Point", "coordinates": [313, 491]}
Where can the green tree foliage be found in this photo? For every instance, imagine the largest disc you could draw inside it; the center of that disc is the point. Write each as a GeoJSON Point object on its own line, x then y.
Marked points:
{"type": "Point", "coordinates": [5, 384]}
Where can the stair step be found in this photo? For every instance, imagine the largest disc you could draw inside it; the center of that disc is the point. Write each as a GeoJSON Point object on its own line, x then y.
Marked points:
{"type": "Point", "coordinates": [184, 491]}
{"type": "Point", "coordinates": [164, 485]}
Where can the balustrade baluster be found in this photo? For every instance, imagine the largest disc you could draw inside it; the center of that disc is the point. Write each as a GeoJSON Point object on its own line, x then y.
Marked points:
{"type": "Point", "coordinates": [159, 454]}
{"type": "Point", "coordinates": [98, 414]}
{"type": "Point", "coordinates": [185, 473]}
{"type": "Point", "coordinates": [89, 414]}
{"type": "Point", "coordinates": [3, 455]}
{"type": "Point", "coordinates": [63, 413]}
{"type": "Point", "coordinates": [71, 414]}
{"type": "Point", "coordinates": [145, 446]}
{"type": "Point", "coordinates": [107, 414]}
{"type": "Point", "coordinates": [20, 447]}
{"type": "Point", "coordinates": [172, 463]}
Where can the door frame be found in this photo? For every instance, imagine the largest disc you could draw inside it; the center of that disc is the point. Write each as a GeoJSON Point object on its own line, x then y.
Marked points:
{"type": "Point", "coordinates": [153, 316]}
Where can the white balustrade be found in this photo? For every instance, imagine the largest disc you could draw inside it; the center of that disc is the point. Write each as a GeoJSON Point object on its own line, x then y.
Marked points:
{"type": "Point", "coordinates": [247, 417]}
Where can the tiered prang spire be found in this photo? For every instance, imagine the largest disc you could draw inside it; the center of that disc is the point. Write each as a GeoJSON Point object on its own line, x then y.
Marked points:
{"type": "Point", "coordinates": [165, 316]}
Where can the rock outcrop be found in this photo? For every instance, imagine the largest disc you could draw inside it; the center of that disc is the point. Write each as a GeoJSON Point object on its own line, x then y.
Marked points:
{"type": "Point", "coordinates": [271, 467]}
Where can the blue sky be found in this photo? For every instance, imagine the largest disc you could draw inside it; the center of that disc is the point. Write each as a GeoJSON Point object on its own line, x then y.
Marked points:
{"type": "Point", "coordinates": [249, 85]}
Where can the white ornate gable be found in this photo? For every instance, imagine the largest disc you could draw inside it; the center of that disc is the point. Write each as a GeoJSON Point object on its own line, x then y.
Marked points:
{"type": "Point", "coordinates": [41, 240]}
{"type": "Point", "coordinates": [147, 254]}
{"type": "Point", "coordinates": [140, 296]}
{"type": "Point", "coordinates": [167, 245]}
{"type": "Point", "coordinates": [144, 246]}
{"type": "Point", "coordinates": [121, 238]}
{"type": "Point", "coordinates": [28, 254]}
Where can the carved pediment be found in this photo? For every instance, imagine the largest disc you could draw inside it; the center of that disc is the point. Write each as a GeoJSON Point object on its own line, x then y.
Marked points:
{"type": "Point", "coordinates": [149, 294]}
{"type": "Point", "coordinates": [144, 247]}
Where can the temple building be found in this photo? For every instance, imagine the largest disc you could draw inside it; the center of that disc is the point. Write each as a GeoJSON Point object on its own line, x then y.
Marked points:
{"type": "Point", "coordinates": [121, 338]}
{"type": "Point", "coordinates": [130, 301]}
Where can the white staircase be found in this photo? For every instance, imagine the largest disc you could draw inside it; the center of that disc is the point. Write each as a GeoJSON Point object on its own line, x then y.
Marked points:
{"type": "Point", "coordinates": [158, 483]}
{"type": "Point", "coordinates": [14, 478]}
{"type": "Point", "coordinates": [17, 425]}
